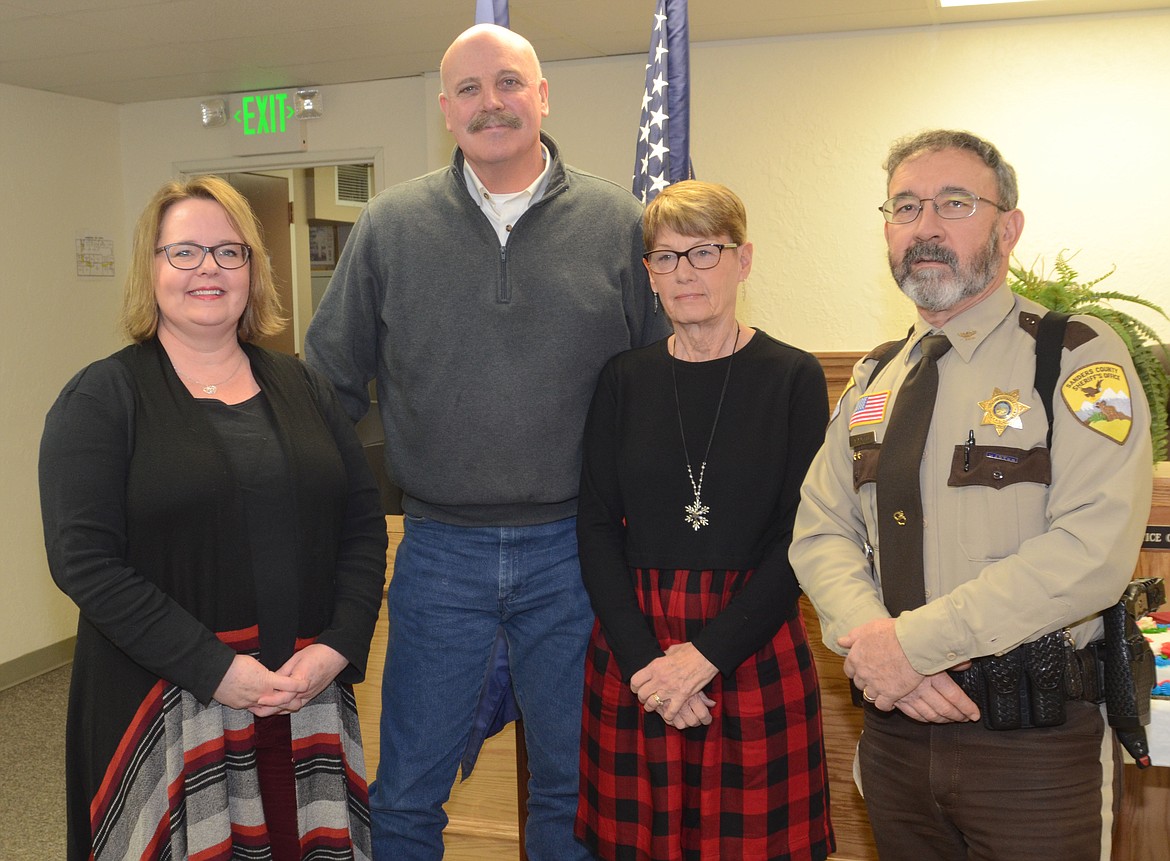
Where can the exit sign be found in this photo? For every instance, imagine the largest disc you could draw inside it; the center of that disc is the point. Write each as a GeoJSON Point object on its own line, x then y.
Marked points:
{"type": "Point", "coordinates": [264, 113]}
{"type": "Point", "coordinates": [264, 123]}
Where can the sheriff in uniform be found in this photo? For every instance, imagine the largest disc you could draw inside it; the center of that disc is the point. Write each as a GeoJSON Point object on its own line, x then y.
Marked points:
{"type": "Point", "coordinates": [1018, 540]}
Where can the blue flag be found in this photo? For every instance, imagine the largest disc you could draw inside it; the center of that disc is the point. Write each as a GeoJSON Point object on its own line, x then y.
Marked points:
{"type": "Point", "coordinates": [664, 150]}
{"type": "Point", "coordinates": [491, 12]}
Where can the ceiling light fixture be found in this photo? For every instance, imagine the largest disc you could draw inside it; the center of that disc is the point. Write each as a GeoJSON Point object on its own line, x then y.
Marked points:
{"type": "Point", "coordinates": [213, 113]}
{"type": "Point", "coordinates": [948, 3]}
{"type": "Point", "coordinates": [307, 104]}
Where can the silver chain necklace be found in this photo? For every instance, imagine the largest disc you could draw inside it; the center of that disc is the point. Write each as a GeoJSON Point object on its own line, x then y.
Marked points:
{"type": "Point", "coordinates": [212, 388]}
{"type": "Point", "coordinates": [696, 512]}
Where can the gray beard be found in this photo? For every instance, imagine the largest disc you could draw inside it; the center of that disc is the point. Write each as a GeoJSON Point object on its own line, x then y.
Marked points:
{"type": "Point", "coordinates": [939, 290]}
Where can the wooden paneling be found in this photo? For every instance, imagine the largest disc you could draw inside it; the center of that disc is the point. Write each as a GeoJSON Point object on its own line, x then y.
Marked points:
{"type": "Point", "coordinates": [842, 726]}
{"type": "Point", "coordinates": [1144, 820]}
{"type": "Point", "coordinates": [838, 368]}
{"type": "Point", "coordinates": [841, 719]}
{"type": "Point", "coordinates": [1142, 829]}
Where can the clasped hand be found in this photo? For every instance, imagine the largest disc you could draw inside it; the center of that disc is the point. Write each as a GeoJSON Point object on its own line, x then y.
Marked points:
{"type": "Point", "coordinates": [882, 672]}
{"type": "Point", "coordinates": [672, 685]}
{"type": "Point", "coordinates": [248, 684]}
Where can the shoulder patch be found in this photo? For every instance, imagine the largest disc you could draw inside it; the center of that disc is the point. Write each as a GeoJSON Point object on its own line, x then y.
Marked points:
{"type": "Point", "coordinates": [840, 398]}
{"type": "Point", "coordinates": [1099, 396]}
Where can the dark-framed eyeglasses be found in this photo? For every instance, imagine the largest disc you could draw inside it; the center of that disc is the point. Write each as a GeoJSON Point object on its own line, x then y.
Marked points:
{"type": "Point", "coordinates": [705, 256]}
{"type": "Point", "coordinates": [953, 205]}
{"type": "Point", "coordinates": [190, 255]}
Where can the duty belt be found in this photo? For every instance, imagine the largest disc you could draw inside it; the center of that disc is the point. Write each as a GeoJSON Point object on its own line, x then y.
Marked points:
{"type": "Point", "coordinates": [1028, 686]}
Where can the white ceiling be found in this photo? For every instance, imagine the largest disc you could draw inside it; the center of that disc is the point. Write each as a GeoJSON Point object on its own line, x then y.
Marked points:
{"type": "Point", "coordinates": [141, 50]}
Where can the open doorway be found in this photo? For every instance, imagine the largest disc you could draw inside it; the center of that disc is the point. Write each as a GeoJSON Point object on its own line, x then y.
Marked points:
{"type": "Point", "coordinates": [271, 200]}
{"type": "Point", "coordinates": [292, 194]}
{"type": "Point", "coordinates": [307, 214]}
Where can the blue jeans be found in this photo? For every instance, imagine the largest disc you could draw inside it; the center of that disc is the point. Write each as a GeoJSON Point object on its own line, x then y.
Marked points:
{"type": "Point", "coordinates": [453, 588]}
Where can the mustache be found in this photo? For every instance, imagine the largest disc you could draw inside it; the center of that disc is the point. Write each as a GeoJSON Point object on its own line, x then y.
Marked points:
{"type": "Point", "coordinates": [492, 119]}
{"type": "Point", "coordinates": [922, 252]}
{"type": "Point", "coordinates": [929, 252]}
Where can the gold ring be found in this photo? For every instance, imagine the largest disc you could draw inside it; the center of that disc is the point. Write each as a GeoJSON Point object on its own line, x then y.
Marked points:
{"type": "Point", "coordinates": [865, 696]}
{"type": "Point", "coordinates": [657, 698]}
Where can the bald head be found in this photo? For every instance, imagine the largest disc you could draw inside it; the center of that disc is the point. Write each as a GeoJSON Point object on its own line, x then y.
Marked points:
{"type": "Point", "coordinates": [490, 36]}
{"type": "Point", "coordinates": [494, 100]}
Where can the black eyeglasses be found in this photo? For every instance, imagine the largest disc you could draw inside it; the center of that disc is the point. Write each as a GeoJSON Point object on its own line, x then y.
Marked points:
{"type": "Point", "coordinates": [190, 255]}
{"type": "Point", "coordinates": [705, 256]}
{"type": "Point", "coordinates": [952, 205]}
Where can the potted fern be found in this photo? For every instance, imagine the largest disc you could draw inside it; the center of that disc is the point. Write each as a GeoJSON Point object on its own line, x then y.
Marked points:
{"type": "Point", "coordinates": [1061, 291]}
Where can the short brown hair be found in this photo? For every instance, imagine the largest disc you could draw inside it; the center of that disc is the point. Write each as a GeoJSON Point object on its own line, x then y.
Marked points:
{"type": "Point", "coordinates": [262, 315]}
{"type": "Point", "coordinates": [695, 208]}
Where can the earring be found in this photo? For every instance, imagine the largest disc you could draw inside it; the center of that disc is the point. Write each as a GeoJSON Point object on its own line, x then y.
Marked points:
{"type": "Point", "coordinates": [655, 303]}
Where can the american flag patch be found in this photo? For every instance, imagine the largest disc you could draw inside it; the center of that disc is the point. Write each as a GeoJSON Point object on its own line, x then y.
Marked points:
{"type": "Point", "coordinates": [870, 410]}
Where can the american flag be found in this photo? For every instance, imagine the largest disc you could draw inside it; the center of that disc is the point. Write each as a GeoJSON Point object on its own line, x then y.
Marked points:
{"type": "Point", "coordinates": [491, 12]}
{"type": "Point", "coordinates": [663, 152]}
{"type": "Point", "coordinates": [870, 410]}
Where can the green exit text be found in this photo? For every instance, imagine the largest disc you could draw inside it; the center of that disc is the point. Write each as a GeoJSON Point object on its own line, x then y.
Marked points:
{"type": "Point", "coordinates": [264, 114]}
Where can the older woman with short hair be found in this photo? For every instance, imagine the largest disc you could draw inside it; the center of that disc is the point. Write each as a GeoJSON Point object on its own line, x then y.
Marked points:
{"type": "Point", "coordinates": [701, 729]}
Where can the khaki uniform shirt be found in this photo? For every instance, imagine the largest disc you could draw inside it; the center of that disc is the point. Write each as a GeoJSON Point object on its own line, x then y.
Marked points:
{"type": "Point", "coordinates": [1009, 555]}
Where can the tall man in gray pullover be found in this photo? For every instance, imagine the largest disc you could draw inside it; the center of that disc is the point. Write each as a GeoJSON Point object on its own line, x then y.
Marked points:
{"type": "Point", "coordinates": [484, 298]}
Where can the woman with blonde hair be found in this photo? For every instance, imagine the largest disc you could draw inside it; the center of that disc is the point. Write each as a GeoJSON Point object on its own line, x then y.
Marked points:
{"type": "Point", "coordinates": [209, 509]}
{"type": "Point", "coordinates": [701, 731]}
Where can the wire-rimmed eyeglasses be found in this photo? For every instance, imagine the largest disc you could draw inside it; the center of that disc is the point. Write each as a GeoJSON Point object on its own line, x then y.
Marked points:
{"type": "Point", "coordinates": [953, 205]}
{"type": "Point", "coordinates": [190, 255]}
{"type": "Point", "coordinates": [706, 256]}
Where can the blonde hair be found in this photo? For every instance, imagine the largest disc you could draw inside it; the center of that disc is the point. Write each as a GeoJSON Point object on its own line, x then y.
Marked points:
{"type": "Point", "coordinates": [262, 315]}
{"type": "Point", "coordinates": [695, 208]}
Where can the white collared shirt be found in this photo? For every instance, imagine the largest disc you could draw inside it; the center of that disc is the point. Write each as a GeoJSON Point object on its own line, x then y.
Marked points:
{"type": "Point", "coordinates": [503, 210]}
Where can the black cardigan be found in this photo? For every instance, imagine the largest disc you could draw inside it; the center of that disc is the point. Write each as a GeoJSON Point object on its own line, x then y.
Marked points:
{"type": "Point", "coordinates": [145, 532]}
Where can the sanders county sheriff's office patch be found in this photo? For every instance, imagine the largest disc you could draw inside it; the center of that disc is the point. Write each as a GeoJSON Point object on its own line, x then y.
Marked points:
{"type": "Point", "coordinates": [1098, 396]}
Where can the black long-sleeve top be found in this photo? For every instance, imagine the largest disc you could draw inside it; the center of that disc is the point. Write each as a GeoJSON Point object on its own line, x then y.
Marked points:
{"type": "Point", "coordinates": [634, 487]}
{"type": "Point", "coordinates": [147, 531]}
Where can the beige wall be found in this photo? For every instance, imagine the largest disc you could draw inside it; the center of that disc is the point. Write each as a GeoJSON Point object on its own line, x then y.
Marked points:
{"type": "Point", "coordinates": [798, 127]}
{"type": "Point", "coordinates": [62, 177]}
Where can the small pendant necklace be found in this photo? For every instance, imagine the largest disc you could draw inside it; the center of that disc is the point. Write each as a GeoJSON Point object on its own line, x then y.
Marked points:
{"type": "Point", "coordinates": [696, 513]}
{"type": "Point", "coordinates": [212, 388]}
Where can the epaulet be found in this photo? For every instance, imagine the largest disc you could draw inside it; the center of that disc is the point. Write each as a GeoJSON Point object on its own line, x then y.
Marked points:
{"type": "Point", "coordinates": [882, 350]}
{"type": "Point", "coordinates": [882, 353]}
{"type": "Point", "coordinates": [1076, 333]}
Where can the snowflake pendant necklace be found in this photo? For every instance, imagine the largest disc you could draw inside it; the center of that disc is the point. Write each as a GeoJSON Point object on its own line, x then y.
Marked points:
{"type": "Point", "coordinates": [696, 512]}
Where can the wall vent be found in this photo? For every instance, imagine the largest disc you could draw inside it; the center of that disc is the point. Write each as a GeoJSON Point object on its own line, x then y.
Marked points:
{"type": "Point", "coordinates": [353, 183]}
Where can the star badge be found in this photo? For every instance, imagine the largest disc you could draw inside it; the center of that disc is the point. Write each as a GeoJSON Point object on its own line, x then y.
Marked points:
{"type": "Point", "coordinates": [1003, 409]}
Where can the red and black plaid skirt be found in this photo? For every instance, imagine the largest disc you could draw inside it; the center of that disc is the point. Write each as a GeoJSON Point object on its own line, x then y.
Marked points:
{"type": "Point", "coordinates": [751, 785]}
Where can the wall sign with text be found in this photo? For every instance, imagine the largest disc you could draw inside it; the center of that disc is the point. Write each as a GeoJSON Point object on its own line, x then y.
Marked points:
{"type": "Point", "coordinates": [263, 123]}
